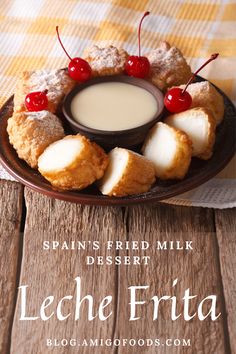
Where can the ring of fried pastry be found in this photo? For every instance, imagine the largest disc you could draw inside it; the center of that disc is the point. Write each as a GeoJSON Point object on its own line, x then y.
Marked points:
{"type": "Point", "coordinates": [73, 163]}
{"type": "Point", "coordinates": [106, 61]}
{"type": "Point", "coordinates": [57, 82]}
{"type": "Point", "coordinates": [31, 132]}
{"type": "Point", "coordinates": [168, 66]}
{"type": "Point", "coordinates": [205, 95]}
{"type": "Point", "coordinates": [199, 125]}
{"type": "Point", "coordinates": [170, 150]}
{"type": "Point", "coordinates": [127, 173]}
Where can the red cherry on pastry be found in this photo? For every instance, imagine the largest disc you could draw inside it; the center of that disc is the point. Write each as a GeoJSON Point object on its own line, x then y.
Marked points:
{"type": "Point", "coordinates": [178, 100]}
{"type": "Point", "coordinates": [36, 101]}
{"type": "Point", "coordinates": [78, 68]}
{"type": "Point", "coordinates": [138, 66]}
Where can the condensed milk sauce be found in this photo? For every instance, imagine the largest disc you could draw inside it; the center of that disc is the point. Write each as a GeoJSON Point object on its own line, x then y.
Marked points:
{"type": "Point", "coordinates": [113, 106]}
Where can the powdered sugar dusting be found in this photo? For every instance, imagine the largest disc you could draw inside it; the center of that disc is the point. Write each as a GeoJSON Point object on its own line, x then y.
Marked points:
{"type": "Point", "coordinates": [55, 81]}
{"type": "Point", "coordinates": [168, 66]}
{"type": "Point", "coordinates": [108, 57]}
{"type": "Point", "coordinates": [48, 121]}
{"type": "Point", "coordinates": [170, 56]}
{"type": "Point", "coordinates": [198, 88]}
{"type": "Point", "coordinates": [37, 115]}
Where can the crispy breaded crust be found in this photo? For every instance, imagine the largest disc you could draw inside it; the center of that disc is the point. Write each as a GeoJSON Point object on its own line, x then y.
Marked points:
{"type": "Point", "coordinates": [57, 82]}
{"type": "Point", "coordinates": [137, 177]}
{"type": "Point", "coordinates": [211, 125]}
{"type": "Point", "coordinates": [88, 166]}
{"type": "Point", "coordinates": [106, 61]}
{"type": "Point", "coordinates": [168, 66]}
{"type": "Point", "coordinates": [31, 132]}
{"type": "Point", "coordinates": [205, 95]}
{"type": "Point", "coordinates": [206, 155]}
{"type": "Point", "coordinates": [182, 158]}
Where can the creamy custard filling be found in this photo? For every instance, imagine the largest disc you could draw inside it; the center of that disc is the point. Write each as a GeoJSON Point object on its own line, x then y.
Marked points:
{"type": "Point", "coordinates": [113, 106]}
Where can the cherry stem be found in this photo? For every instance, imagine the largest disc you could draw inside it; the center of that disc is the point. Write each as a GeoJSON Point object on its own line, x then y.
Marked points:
{"type": "Point", "coordinates": [58, 36]}
{"type": "Point", "coordinates": [139, 32]}
{"type": "Point", "coordinates": [213, 57]}
{"type": "Point", "coordinates": [45, 92]}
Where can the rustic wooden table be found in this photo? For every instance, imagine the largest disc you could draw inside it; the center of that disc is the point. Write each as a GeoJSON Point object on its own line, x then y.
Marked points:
{"type": "Point", "coordinates": [209, 269]}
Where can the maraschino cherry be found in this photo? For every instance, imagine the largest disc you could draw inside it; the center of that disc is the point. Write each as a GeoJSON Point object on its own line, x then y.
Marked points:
{"type": "Point", "coordinates": [138, 66]}
{"type": "Point", "coordinates": [78, 68]}
{"type": "Point", "coordinates": [178, 100]}
{"type": "Point", "coordinates": [36, 101]}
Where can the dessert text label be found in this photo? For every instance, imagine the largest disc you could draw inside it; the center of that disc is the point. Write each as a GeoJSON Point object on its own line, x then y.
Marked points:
{"type": "Point", "coordinates": [51, 308]}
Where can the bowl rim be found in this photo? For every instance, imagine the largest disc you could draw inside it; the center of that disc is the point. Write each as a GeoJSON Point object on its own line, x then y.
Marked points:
{"type": "Point", "coordinates": [114, 78]}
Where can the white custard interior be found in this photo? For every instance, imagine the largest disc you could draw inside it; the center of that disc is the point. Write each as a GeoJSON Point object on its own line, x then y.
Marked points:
{"type": "Point", "coordinates": [161, 147]}
{"type": "Point", "coordinates": [196, 127]}
{"type": "Point", "coordinates": [118, 159]}
{"type": "Point", "coordinates": [113, 106]}
{"type": "Point", "coordinates": [59, 155]}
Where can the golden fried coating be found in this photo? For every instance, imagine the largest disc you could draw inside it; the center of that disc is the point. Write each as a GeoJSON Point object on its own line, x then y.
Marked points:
{"type": "Point", "coordinates": [73, 163]}
{"type": "Point", "coordinates": [205, 95]}
{"type": "Point", "coordinates": [127, 173]}
{"type": "Point", "coordinates": [170, 150]}
{"type": "Point", "coordinates": [199, 125]}
{"type": "Point", "coordinates": [31, 132]}
{"type": "Point", "coordinates": [168, 66]}
{"type": "Point", "coordinates": [57, 82]}
{"type": "Point", "coordinates": [106, 61]}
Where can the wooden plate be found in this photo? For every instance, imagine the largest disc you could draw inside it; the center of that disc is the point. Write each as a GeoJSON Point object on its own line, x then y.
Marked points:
{"type": "Point", "coordinates": [199, 172]}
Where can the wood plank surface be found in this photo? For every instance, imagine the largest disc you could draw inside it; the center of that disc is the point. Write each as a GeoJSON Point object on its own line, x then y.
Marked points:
{"type": "Point", "coordinates": [225, 221]}
{"type": "Point", "coordinates": [197, 270]}
{"type": "Point", "coordinates": [10, 208]}
{"type": "Point", "coordinates": [52, 272]}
